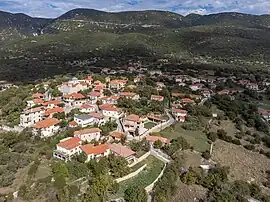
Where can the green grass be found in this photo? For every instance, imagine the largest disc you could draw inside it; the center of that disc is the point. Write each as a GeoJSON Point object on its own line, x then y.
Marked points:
{"type": "Point", "coordinates": [144, 178]}
{"type": "Point", "coordinates": [197, 139]}
{"type": "Point", "coordinates": [149, 125]}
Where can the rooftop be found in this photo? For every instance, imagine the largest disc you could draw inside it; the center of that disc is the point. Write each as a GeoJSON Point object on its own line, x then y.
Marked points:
{"type": "Point", "coordinates": [133, 117]}
{"type": "Point", "coordinates": [155, 138]}
{"type": "Point", "coordinates": [121, 150]}
{"type": "Point", "coordinates": [70, 143]}
{"type": "Point", "coordinates": [46, 123]}
{"type": "Point", "coordinates": [87, 131]}
{"type": "Point", "coordinates": [91, 149]}
{"type": "Point", "coordinates": [83, 116]}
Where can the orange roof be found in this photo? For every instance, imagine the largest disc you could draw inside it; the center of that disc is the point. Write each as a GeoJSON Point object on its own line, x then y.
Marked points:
{"type": "Point", "coordinates": [117, 134]}
{"type": "Point", "coordinates": [86, 106]}
{"type": "Point", "coordinates": [37, 95]}
{"type": "Point", "coordinates": [70, 143]}
{"type": "Point", "coordinates": [179, 111]}
{"type": "Point", "coordinates": [118, 81]}
{"type": "Point", "coordinates": [112, 109]}
{"type": "Point", "coordinates": [75, 96]}
{"type": "Point", "coordinates": [91, 149]}
{"type": "Point", "coordinates": [87, 131]}
{"type": "Point", "coordinates": [155, 138]}
{"type": "Point", "coordinates": [94, 94]}
{"type": "Point", "coordinates": [133, 117]}
{"type": "Point", "coordinates": [127, 94]}
{"type": "Point", "coordinates": [89, 78]}
{"type": "Point", "coordinates": [103, 106]}
{"type": "Point", "coordinates": [96, 115]}
{"type": "Point", "coordinates": [33, 110]}
{"type": "Point", "coordinates": [54, 110]}
{"type": "Point", "coordinates": [187, 100]}
{"type": "Point", "coordinates": [46, 123]}
{"type": "Point", "coordinates": [52, 102]}
{"type": "Point", "coordinates": [157, 97]}
{"type": "Point", "coordinates": [98, 88]}
{"type": "Point", "coordinates": [177, 94]}
{"type": "Point", "coordinates": [38, 101]}
{"type": "Point", "coordinates": [121, 150]}
{"type": "Point", "coordinates": [73, 124]}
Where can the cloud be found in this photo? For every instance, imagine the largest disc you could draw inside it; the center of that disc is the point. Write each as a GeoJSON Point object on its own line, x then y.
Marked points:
{"type": "Point", "coordinates": [54, 8]}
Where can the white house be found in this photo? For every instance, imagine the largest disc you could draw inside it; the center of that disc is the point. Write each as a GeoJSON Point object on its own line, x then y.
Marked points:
{"type": "Point", "coordinates": [196, 86]}
{"type": "Point", "coordinates": [110, 100]}
{"type": "Point", "coordinates": [84, 120]}
{"type": "Point", "coordinates": [47, 127]}
{"type": "Point", "coordinates": [123, 151]}
{"type": "Point", "coordinates": [31, 116]}
{"type": "Point", "coordinates": [117, 84]}
{"type": "Point", "coordinates": [75, 99]}
{"type": "Point", "coordinates": [111, 111]}
{"type": "Point", "coordinates": [130, 95]}
{"type": "Point", "coordinates": [87, 108]}
{"type": "Point", "coordinates": [94, 96]}
{"type": "Point", "coordinates": [35, 102]}
{"type": "Point", "coordinates": [67, 148]}
{"type": "Point", "coordinates": [158, 98]}
{"type": "Point", "coordinates": [95, 152]}
{"type": "Point", "coordinates": [180, 114]}
{"type": "Point", "coordinates": [132, 123]}
{"type": "Point", "coordinates": [73, 86]}
{"type": "Point", "coordinates": [88, 134]}
{"type": "Point", "coordinates": [252, 86]}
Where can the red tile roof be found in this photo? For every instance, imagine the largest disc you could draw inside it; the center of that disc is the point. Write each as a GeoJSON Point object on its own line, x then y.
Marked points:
{"type": "Point", "coordinates": [52, 102]}
{"type": "Point", "coordinates": [46, 123]}
{"type": "Point", "coordinates": [155, 138]}
{"type": "Point", "coordinates": [187, 100]}
{"type": "Point", "coordinates": [54, 110]}
{"type": "Point", "coordinates": [89, 78]}
{"type": "Point", "coordinates": [179, 111]}
{"type": "Point", "coordinates": [117, 134]}
{"type": "Point", "coordinates": [104, 106]}
{"type": "Point", "coordinates": [87, 131]}
{"type": "Point", "coordinates": [37, 95]}
{"type": "Point", "coordinates": [73, 124]}
{"type": "Point", "coordinates": [94, 94]}
{"type": "Point", "coordinates": [75, 96]}
{"type": "Point", "coordinates": [121, 150]}
{"type": "Point", "coordinates": [38, 101]}
{"type": "Point", "coordinates": [91, 149]}
{"type": "Point", "coordinates": [87, 106]}
{"type": "Point", "coordinates": [157, 97]}
{"type": "Point", "coordinates": [96, 115]}
{"type": "Point", "coordinates": [133, 117]}
{"type": "Point", "coordinates": [127, 94]}
{"type": "Point", "coordinates": [70, 143]}
{"type": "Point", "coordinates": [118, 81]}
{"type": "Point", "coordinates": [33, 110]}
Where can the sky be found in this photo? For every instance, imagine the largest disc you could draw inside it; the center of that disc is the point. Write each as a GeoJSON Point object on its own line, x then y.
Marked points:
{"type": "Point", "coordinates": [54, 8]}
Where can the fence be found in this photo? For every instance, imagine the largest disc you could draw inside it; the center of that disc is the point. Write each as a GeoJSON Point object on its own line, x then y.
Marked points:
{"type": "Point", "coordinates": [151, 186]}
{"type": "Point", "coordinates": [130, 175]}
{"type": "Point", "coordinates": [138, 160]}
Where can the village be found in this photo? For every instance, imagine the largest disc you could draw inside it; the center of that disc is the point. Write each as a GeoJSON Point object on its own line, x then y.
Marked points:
{"type": "Point", "coordinates": [136, 118]}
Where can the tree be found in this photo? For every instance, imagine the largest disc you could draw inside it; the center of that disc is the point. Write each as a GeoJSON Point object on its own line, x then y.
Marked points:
{"type": "Point", "coordinates": [189, 177]}
{"type": "Point", "coordinates": [107, 92]}
{"type": "Point", "coordinates": [206, 154]}
{"type": "Point", "coordinates": [59, 115]}
{"type": "Point", "coordinates": [81, 157]}
{"type": "Point", "coordinates": [158, 144]}
{"type": "Point", "coordinates": [212, 136]}
{"type": "Point", "coordinates": [135, 194]}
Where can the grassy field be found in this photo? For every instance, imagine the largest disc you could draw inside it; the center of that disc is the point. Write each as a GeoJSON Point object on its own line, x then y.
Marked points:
{"type": "Point", "coordinates": [144, 178]}
{"type": "Point", "coordinates": [197, 139]}
{"type": "Point", "coordinates": [149, 125]}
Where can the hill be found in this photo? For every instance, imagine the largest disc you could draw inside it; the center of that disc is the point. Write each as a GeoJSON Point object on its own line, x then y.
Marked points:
{"type": "Point", "coordinates": [46, 47]}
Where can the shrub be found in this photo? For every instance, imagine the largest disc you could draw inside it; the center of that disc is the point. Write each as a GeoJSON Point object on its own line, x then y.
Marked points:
{"type": "Point", "coordinates": [206, 154]}
{"type": "Point", "coordinates": [250, 147]}
{"type": "Point", "coordinates": [236, 141]}
{"type": "Point", "coordinates": [212, 136]}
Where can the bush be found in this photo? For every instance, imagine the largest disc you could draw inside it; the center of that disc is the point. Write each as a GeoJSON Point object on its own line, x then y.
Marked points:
{"type": "Point", "coordinates": [212, 136]}
{"type": "Point", "coordinates": [236, 141]}
{"type": "Point", "coordinates": [33, 168]}
{"type": "Point", "coordinates": [206, 154]}
{"type": "Point", "coordinates": [250, 147]}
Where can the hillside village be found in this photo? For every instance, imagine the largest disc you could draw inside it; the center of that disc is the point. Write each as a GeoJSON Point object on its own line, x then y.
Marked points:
{"type": "Point", "coordinates": [89, 117]}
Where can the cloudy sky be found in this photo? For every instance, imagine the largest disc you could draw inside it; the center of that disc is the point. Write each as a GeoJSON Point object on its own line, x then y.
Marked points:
{"type": "Point", "coordinates": [53, 8]}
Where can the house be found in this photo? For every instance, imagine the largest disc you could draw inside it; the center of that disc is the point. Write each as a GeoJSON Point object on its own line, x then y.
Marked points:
{"type": "Point", "coordinates": [117, 135]}
{"type": "Point", "coordinates": [98, 118]}
{"type": "Point", "coordinates": [129, 95]}
{"type": "Point", "coordinates": [87, 108]}
{"type": "Point", "coordinates": [88, 134]}
{"type": "Point", "coordinates": [153, 139]}
{"type": "Point", "coordinates": [110, 100]}
{"type": "Point", "coordinates": [252, 86]}
{"type": "Point", "coordinates": [264, 113]}
{"type": "Point", "coordinates": [73, 86]}
{"type": "Point", "coordinates": [94, 96]}
{"type": "Point", "coordinates": [155, 72]}
{"type": "Point", "coordinates": [179, 114]}
{"type": "Point", "coordinates": [46, 128]}
{"type": "Point", "coordinates": [99, 89]}
{"type": "Point", "coordinates": [123, 151]}
{"type": "Point", "coordinates": [196, 86]}
{"type": "Point", "coordinates": [38, 96]}
{"type": "Point", "coordinates": [136, 79]}
{"type": "Point", "coordinates": [35, 102]}
{"type": "Point", "coordinates": [31, 116]}
{"type": "Point", "coordinates": [224, 92]}
{"type": "Point", "coordinates": [117, 84]}
{"type": "Point", "coordinates": [89, 80]}
{"type": "Point", "coordinates": [84, 120]}
{"type": "Point", "coordinates": [133, 123]}
{"type": "Point", "coordinates": [52, 103]}
{"type": "Point", "coordinates": [186, 101]}
{"type": "Point", "coordinates": [111, 111]}
{"type": "Point", "coordinates": [95, 152]}
{"type": "Point", "coordinates": [158, 98]}
{"type": "Point", "coordinates": [52, 111]}
{"type": "Point", "coordinates": [155, 118]}
{"type": "Point", "coordinates": [73, 124]}
{"type": "Point", "coordinates": [160, 85]}
{"type": "Point", "coordinates": [75, 99]}
{"type": "Point", "coordinates": [67, 148]}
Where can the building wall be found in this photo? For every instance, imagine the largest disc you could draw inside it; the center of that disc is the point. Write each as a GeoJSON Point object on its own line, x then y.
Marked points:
{"type": "Point", "coordinates": [27, 120]}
